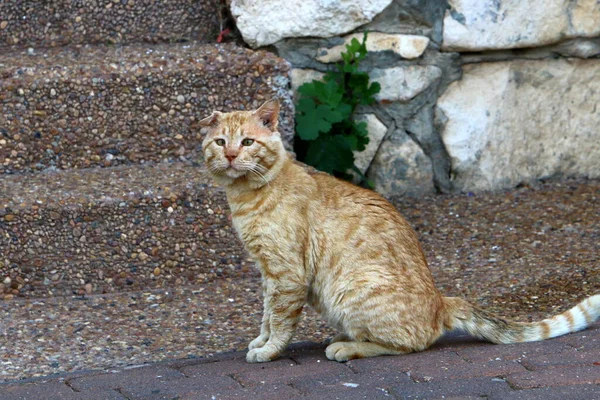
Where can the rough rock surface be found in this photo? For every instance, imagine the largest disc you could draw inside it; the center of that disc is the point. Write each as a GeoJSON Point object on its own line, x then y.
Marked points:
{"type": "Point", "coordinates": [59, 23]}
{"type": "Point", "coordinates": [509, 122]}
{"type": "Point", "coordinates": [107, 105]}
{"type": "Point", "coordinates": [268, 21]}
{"type": "Point", "coordinates": [405, 82]}
{"type": "Point", "coordinates": [475, 25]}
{"type": "Point", "coordinates": [401, 167]}
{"type": "Point", "coordinates": [101, 230]}
{"type": "Point", "coordinates": [377, 130]}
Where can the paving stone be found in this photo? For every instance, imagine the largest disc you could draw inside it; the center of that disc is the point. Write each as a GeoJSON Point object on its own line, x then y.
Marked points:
{"type": "Point", "coordinates": [375, 384]}
{"type": "Point", "coordinates": [578, 392]}
{"type": "Point", "coordinates": [476, 387]}
{"type": "Point", "coordinates": [235, 366]}
{"type": "Point", "coordinates": [563, 376]}
{"type": "Point", "coordinates": [408, 362]}
{"type": "Point", "coordinates": [54, 390]}
{"type": "Point", "coordinates": [155, 390]}
{"type": "Point", "coordinates": [293, 373]}
{"type": "Point", "coordinates": [339, 391]}
{"type": "Point", "coordinates": [584, 340]}
{"type": "Point", "coordinates": [572, 357]}
{"type": "Point", "coordinates": [149, 377]}
{"type": "Point", "coordinates": [490, 368]}
{"type": "Point", "coordinates": [517, 351]}
{"type": "Point", "coordinates": [264, 392]}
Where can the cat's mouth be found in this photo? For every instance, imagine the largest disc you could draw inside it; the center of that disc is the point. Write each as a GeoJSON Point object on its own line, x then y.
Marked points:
{"type": "Point", "coordinates": [234, 171]}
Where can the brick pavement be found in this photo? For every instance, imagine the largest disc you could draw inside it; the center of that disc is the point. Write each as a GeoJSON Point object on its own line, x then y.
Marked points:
{"type": "Point", "coordinates": [458, 367]}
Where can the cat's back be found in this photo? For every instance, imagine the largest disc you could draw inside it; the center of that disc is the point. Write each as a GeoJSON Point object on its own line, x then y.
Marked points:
{"type": "Point", "coordinates": [346, 199]}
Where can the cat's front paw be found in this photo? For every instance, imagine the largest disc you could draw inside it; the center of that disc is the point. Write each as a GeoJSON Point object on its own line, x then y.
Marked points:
{"type": "Point", "coordinates": [258, 342]}
{"type": "Point", "coordinates": [341, 351]}
{"type": "Point", "coordinates": [264, 354]}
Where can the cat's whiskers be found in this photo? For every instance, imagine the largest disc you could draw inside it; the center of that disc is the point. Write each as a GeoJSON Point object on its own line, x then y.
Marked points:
{"type": "Point", "coordinates": [256, 169]}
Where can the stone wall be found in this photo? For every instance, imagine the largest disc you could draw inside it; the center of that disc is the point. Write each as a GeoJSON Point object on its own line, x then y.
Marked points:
{"type": "Point", "coordinates": [476, 94]}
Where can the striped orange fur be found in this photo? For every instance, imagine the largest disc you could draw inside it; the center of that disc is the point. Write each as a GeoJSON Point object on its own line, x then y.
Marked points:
{"type": "Point", "coordinates": [343, 250]}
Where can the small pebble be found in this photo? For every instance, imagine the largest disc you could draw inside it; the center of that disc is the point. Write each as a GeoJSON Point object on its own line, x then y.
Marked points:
{"type": "Point", "coordinates": [156, 271]}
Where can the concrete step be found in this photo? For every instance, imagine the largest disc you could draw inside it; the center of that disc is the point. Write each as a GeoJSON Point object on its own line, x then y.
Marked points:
{"type": "Point", "coordinates": [89, 106]}
{"type": "Point", "coordinates": [28, 23]}
{"type": "Point", "coordinates": [124, 228]}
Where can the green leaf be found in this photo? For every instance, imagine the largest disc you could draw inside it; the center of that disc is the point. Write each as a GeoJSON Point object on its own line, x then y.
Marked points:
{"type": "Point", "coordinates": [330, 154]}
{"type": "Point", "coordinates": [329, 92]}
{"type": "Point", "coordinates": [361, 134]}
{"type": "Point", "coordinates": [308, 120]}
{"type": "Point", "coordinates": [326, 133]}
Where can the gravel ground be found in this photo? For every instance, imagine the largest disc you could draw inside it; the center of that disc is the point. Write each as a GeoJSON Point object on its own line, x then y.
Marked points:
{"type": "Point", "coordinates": [524, 254]}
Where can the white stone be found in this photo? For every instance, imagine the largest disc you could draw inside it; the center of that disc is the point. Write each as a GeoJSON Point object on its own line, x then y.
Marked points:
{"type": "Point", "coordinates": [377, 130]}
{"type": "Point", "coordinates": [401, 167]}
{"type": "Point", "coordinates": [300, 76]}
{"type": "Point", "coordinates": [510, 122]}
{"type": "Point", "coordinates": [265, 22]}
{"type": "Point", "coordinates": [477, 25]}
{"type": "Point", "coordinates": [407, 46]}
{"type": "Point", "coordinates": [404, 83]}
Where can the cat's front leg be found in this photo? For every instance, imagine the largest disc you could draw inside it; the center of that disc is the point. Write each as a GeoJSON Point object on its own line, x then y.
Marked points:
{"type": "Point", "coordinates": [265, 328]}
{"type": "Point", "coordinates": [284, 301]}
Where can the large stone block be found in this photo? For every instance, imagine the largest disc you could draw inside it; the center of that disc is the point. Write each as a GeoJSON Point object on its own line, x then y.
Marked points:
{"type": "Point", "coordinates": [268, 21]}
{"type": "Point", "coordinates": [405, 82]}
{"type": "Point", "coordinates": [509, 122]}
{"type": "Point", "coordinates": [401, 167]}
{"type": "Point", "coordinates": [476, 25]}
{"type": "Point", "coordinates": [377, 130]}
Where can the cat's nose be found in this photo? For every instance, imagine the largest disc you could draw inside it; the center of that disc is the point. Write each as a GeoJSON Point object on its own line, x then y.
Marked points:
{"type": "Point", "coordinates": [230, 157]}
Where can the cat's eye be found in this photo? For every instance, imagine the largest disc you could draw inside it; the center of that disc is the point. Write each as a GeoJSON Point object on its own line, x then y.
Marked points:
{"type": "Point", "coordinates": [247, 142]}
{"type": "Point", "coordinates": [220, 142]}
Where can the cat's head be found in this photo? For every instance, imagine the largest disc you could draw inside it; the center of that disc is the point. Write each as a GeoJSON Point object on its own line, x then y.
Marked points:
{"type": "Point", "coordinates": [243, 146]}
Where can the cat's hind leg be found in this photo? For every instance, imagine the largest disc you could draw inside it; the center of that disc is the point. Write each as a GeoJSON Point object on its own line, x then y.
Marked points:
{"type": "Point", "coordinates": [345, 351]}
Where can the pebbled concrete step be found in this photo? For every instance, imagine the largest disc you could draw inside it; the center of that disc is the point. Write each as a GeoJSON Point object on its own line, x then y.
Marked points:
{"type": "Point", "coordinates": [52, 23]}
{"type": "Point", "coordinates": [125, 228]}
{"type": "Point", "coordinates": [104, 105]}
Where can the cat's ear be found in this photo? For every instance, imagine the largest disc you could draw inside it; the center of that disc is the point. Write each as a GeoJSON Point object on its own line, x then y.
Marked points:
{"type": "Point", "coordinates": [211, 120]}
{"type": "Point", "coordinates": [268, 114]}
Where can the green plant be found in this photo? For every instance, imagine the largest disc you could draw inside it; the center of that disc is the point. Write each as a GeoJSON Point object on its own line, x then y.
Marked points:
{"type": "Point", "coordinates": [326, 133]}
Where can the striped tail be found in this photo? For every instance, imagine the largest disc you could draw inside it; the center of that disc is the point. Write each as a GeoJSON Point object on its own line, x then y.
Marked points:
{"type": "Point", "coordinates": [482, 324]}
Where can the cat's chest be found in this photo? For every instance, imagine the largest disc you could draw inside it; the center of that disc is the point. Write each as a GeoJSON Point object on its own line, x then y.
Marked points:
{"type": "Point", "coordinates": [256, 232]}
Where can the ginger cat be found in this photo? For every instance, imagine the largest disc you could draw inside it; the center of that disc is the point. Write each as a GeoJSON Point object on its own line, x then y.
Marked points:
{"type": "Point", "coordinates": [343, 250]}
